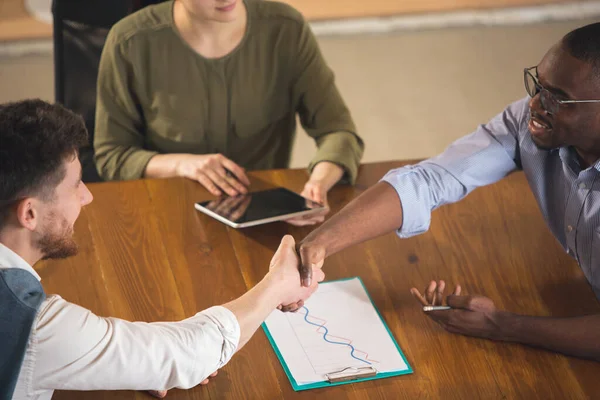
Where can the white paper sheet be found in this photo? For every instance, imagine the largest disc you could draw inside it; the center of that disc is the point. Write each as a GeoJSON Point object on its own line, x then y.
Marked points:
{"type": "Point", "coordinates": [338, 328]}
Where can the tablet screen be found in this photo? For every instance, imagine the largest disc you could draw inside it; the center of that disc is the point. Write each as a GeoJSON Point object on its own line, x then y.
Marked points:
{"type": "Point", "coordinates": [259, 205]}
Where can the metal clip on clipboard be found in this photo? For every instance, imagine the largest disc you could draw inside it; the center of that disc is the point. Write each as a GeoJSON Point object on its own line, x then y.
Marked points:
{"type": "Point", "coordinates": [350, 373]}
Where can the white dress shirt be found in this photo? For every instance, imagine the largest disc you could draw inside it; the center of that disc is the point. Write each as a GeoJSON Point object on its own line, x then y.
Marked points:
{"type": "Point", "coordinates": [71, 348]}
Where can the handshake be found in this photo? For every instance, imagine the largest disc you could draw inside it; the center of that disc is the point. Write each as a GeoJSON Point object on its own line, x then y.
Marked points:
{"type": "Point", "coordinates": [296, 272]}
{"type": "Point", "coordinates": [289, 282]}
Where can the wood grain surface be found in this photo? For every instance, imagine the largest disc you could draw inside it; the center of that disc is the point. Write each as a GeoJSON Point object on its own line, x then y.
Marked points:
{"type": "Point", "coordinates": [147, 254]}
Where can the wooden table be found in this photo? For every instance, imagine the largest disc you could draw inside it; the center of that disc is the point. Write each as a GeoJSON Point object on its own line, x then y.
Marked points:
{"type": "Point", "coordinates": [146, 254]}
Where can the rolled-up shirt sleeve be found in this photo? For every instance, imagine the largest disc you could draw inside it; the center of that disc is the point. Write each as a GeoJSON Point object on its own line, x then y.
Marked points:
{"type": "Point", "coordinates": [78, 350]}
{"type": "Point", "coordinates": [421, 189]}
{"type": "Point", "coordinates": [481, 158]}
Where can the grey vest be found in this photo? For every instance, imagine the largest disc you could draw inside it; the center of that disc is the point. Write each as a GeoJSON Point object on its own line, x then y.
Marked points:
{"type": "Point", "coordinates": [21, 294]}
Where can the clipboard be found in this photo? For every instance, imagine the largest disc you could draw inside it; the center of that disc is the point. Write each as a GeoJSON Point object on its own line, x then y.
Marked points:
{"type": "Point", "coordinates": [345, 375]}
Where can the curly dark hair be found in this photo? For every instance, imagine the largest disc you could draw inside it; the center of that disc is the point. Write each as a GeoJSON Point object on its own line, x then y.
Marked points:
{"type": "Point", "coordinates": [35, 139]}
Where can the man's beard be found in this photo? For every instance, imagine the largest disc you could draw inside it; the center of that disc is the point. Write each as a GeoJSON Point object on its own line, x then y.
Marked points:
{"type": "Point", "coordinates": [53, 244]}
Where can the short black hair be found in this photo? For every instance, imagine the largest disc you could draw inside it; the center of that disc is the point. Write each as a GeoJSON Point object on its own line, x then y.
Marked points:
{"type": "Point", "coordinates": [35, 139]}
{"type": "Point", "coordinates": [584, 44]}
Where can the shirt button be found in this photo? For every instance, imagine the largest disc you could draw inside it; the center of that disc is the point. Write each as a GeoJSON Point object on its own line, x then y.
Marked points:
{"type": "Point", "coordinates": [569, 228]}
{"type": "Point", "coordinates": [582, 185]}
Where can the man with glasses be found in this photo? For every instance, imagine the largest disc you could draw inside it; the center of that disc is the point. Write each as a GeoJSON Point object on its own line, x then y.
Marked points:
{"type": "Point", "coordinates": [553, 135]}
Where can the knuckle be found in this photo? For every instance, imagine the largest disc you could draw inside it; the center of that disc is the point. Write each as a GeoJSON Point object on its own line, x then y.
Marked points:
{"type": "Point", "coordinates": [306, 252]}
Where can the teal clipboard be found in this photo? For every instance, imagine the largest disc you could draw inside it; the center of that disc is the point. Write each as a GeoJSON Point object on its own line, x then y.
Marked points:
{"type": "Point", "coordinates": [324, 384]}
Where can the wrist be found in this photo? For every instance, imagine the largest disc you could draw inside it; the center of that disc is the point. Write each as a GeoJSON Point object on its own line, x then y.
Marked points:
{"type": "Point", "coordinates": [315, 243]}
{"type": "Point", "coordinates": [506, 324]}
{"type": "Point", "coordinates": [326, 174]}
{"type": "Point", "coordinates": [322, 184]}
{"type": "Point", "coordinates": [176, 164]}
{"type": "Point", "coordinates": [161, 166]}
{"type": "Point", "coordinates": [272, 288]}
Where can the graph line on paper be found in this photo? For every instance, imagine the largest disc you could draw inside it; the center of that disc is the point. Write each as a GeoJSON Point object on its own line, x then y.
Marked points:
{"type": "Point", "coordinates": [321, 328]}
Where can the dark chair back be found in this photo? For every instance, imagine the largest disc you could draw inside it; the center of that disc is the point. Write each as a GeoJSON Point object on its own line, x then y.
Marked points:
{"type": "Point", "coordinates": [80, 30]}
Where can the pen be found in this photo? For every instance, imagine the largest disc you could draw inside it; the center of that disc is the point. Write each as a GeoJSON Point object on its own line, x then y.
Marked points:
{"type": "Point", "coordinates": [230, 174]}
{"type": "Point", "coordinates": [436, 308]}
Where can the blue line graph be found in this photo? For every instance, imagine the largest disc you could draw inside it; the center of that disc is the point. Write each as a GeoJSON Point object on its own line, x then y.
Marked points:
{"type": "Point", "coordinates": [330, 341]}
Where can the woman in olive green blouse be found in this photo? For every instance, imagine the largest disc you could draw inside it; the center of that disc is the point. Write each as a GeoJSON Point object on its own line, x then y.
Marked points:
{"type": "Point", "coordinates": [201, 88]}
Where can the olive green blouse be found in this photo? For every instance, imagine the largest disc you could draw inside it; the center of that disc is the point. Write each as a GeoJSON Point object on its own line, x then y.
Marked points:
{"type": "Point", "coordinates": [157, 95]}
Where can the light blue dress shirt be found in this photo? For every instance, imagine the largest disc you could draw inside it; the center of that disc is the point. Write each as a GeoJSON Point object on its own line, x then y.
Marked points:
{"type": "Point", "coordinates": [567, 195]}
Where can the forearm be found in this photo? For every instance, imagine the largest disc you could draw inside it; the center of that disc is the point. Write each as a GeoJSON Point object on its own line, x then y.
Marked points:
{"type": "Point", "coordinates": [254, 307]}
{"type": "Point", "coordinates": [375, 212]}
{"type": "Point", "coordinates": [327, 173]}
{"type": "Point", "coordinates": [98, 353]}
{"type": "Point", "coordinates": [341, 148]}
{"type": "Point", "coordinates": [119, 133]}
{"type": "Point", "coordinates": [163, 166]}
{"type": "Point", "coordinates": [576, 336]}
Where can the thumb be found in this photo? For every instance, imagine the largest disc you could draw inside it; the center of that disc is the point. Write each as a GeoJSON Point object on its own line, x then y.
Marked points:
{"type": "Point", "coordinates": [306, 266]}
{"type": "Point", "coordinates": [317, 194]}
{"type": "Point", "coordinates": [287, 241]}
{"type": "Point", "coordinates": [287, 244]}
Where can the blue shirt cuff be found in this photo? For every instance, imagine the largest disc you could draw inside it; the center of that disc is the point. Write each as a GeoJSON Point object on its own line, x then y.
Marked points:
{"type": "Point", "coordinates": [416, 212]}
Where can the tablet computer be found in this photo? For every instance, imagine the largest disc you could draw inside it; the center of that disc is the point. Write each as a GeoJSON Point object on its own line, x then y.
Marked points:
{"type": "Point", "coordinates": [259, 207]}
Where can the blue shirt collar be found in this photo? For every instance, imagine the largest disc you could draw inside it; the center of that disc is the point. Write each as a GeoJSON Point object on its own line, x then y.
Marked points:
{"type": "Point", "coordinates": [569, 157]}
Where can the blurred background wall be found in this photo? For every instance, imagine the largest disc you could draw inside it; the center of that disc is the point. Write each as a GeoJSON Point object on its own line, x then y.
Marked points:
{"type": "Point", "coordinates": [416, 74]}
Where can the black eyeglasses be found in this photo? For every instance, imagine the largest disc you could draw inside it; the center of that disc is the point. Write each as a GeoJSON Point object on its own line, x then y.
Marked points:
{"type": "Point", "coordinates": [549, 101]}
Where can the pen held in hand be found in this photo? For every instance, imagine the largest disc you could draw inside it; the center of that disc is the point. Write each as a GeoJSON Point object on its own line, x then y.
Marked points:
{"type": "Point", "coordinates": [436, 308]}
{"type": "Point", "coordinates": [230, 174]}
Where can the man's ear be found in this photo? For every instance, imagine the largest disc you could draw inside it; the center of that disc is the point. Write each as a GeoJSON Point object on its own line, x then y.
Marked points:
{"type": "Point", "coordinates": [27, 213]}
